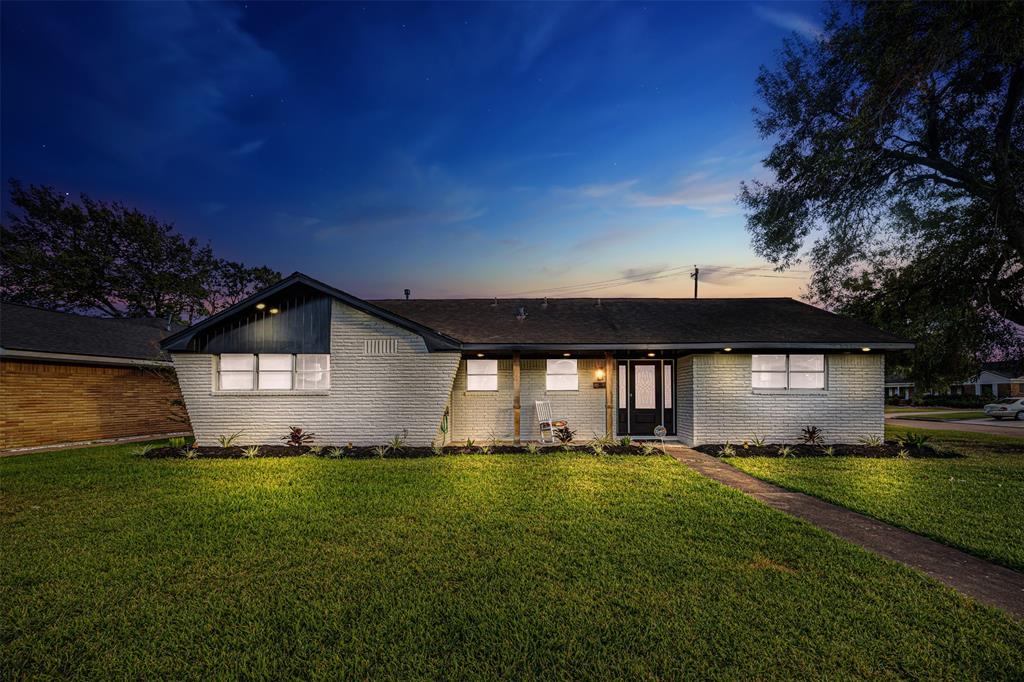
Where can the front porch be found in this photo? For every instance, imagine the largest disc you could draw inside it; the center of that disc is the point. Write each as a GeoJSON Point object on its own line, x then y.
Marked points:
{"type": "Point", "coordinates": [494, 395]}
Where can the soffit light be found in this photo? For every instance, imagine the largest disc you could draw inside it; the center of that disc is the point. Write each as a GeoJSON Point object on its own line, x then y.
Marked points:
{"type": "Point", "coordinates": [650, 355]}
{"type": "Point", "coordinates": [479, 355]}
{"type": "Point", "coordinates": [261, 306]}
{"type": "Point", "coordinates": [565, 355]}
{"type": "Point", "coordinates": [274, 311]}
{"type": "Point", "coordinates": [727, 349]}
{"type": "Point", "coordinates": [865, 349]}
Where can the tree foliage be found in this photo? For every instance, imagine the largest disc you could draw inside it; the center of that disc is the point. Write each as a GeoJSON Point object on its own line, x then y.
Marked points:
{"type": "Point", "coordinates": [98, 257]}
{"type": "Point", "coordinates": [898, 170]}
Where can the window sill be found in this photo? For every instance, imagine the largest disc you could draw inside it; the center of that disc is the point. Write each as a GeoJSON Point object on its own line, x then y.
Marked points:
{"type": "Point", "coordinates": [247, 394]}
{"type": "Point", "coordinates": [789, 391]}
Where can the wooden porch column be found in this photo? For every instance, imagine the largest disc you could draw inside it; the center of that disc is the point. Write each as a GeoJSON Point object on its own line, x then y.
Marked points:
{"type": "Point", "coordinates": [609, 368]}
{"type": "Point", "coordinates": [516, 403]}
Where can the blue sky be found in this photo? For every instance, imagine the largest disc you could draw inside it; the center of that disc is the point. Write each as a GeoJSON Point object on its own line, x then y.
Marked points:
{"type": "Point", "coordinates": [455, 149]}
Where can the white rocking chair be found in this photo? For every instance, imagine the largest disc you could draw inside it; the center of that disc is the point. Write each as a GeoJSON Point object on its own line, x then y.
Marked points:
{"type": "Point", "coordinates": [546, 422]}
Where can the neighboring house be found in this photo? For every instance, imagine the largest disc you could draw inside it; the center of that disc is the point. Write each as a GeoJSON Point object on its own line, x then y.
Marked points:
{"type": "Point", "coordinates": [302, 353]}
{"type": "Point", "coordinates": [898, 387]}
{"type": "Point", "coordinates": [72, 378]}
{"type": "Point", "coordinates": [995, 379]}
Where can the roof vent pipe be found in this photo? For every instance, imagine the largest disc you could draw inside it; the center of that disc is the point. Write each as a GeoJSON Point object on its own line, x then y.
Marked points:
{"type": "Point", "coordinates": [545, 304]}
{"type": "Point", "coordinates": [598, 303]}
{"type": "Point", "coordinates": [407, 294]}
{"type": "Point", "coordinates": [521, 313]}
{"type": "Point", "coordinates": [495, 302]}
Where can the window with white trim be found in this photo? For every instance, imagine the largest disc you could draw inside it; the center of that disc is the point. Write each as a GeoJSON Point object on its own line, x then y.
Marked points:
{"type": "Point", "coordinates": [787, 371]}
{"type": "Point", "coordinates": [481, 375]}
{"type": "Point", "coordinates": [562, 375]}
{"type": "Point", "coordinates": [273, 372]}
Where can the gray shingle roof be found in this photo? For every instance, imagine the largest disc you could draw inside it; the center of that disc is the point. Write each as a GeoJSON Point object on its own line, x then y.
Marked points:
{"type": "Point", "coordinates": [768, 321]}
{"type": "Point", "coordinates": [33, 329]}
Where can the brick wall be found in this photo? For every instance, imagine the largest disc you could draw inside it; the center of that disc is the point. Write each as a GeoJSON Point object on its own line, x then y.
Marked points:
{"type": "Point", "coordinates": [727, 408]}
{"type": "Point", "coordinates": [482, 414]}
{"type": "Point", "coordinates": [372, 397]}
{"type": "Point", "coordinates": [47, 403]}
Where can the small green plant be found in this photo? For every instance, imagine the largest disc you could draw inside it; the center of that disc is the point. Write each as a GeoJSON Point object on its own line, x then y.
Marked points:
{"type": "Point", "coordinates": [437, 450]}
{"type": "Point", "coordinates": [532, 449]}
{"type": "Point", "coordinates": [469, 442]}
{"type": "Point", "coordinates": [314, 450]}
{"type": "Point", "coordinates": [903, 453]}
{"type": "Point", "coordinates": [649, 449]}
{"type": "Point", "coordinates": [485, 449]}
{"type": "Point", "coordinates": [141, 450]}
{"type": "Point", "coordinates": [915, 441]}
{"type": "Point", "coordinates": [727, 450]}
{"type": "Point", "coordinates": [397, 442]}
{"type": "Point", "coordinates": [625, 441]}
{"type": "Point", "coordinates": [828, 451]}
{"type": "Point", "coordinates": [176, 442]}
{"type": "Point", "coordinates": [251, 451]}
{"type": "Point", "coordinates": [335, 453]}
{"type": "Point", "coordinates": [228, 441]}
{"type": "Point", "coordinates": [757, 441]}
{"type": "Point", "coordinates": [296, 437]}
{"type": "Point", "coordinates": [189, 451]}
{"type": "Point", "coordinates": [597, 448]}
{"type": "Point", "coordinates": [786, 451]}
{"type": "Point", "coordinates": [381, 451]}
{"type": "Point", "coordinates": [870, 441]}
{"type": "Point", "coordinates": [812, 435]}
{"type": "Point", "coordinates": [564, 435]}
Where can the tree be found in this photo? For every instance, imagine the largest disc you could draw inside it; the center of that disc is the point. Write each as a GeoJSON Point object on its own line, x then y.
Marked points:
{"type": "Point", "coordinates": [898, 164]}
{"type": "Point", "coordinates": [97, 257]}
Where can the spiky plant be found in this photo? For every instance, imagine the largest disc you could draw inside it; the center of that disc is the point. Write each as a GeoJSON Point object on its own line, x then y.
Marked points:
{"type": "Point", "coordinates": [251, 451]}
{"type": "Point", "coordinates": [228, 441]}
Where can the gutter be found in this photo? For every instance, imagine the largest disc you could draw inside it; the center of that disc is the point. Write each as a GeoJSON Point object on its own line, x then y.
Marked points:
{"type": "Point", "coordinates": [40, 356]}
{"type": "Point", "coordinates": [752, 345]}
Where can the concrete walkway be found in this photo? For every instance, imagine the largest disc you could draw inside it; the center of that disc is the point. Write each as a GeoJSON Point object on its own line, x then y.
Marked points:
{"type": "Point", "coordinates": [994, 585]}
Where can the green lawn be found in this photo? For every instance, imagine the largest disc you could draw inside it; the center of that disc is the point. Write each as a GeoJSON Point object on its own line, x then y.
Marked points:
{"type": "Point", "coordinates": [508, 566]}
{"type": "Point", "coordinates": [975, 503]}
{"type": "Point", "coordinates": [946, 416]}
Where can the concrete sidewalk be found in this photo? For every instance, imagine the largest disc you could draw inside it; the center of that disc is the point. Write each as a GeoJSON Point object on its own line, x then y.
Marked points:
{"type": "Point", "coordinates": [987, 582]}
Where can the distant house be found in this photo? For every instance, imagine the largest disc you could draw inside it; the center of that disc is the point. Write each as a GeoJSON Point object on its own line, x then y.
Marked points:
{"type": "Point", "coordinates": [302, 353]}
{"type": "Point", "coordinates": [72, 378]}
{"type": "Point", "coordinates": [995, 379]}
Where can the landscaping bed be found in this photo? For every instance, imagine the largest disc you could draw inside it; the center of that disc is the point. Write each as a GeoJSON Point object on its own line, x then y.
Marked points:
{"type": "Point", "coordinates": [882, 451]}
{"type": "Point", "coordinates": [379, 452]}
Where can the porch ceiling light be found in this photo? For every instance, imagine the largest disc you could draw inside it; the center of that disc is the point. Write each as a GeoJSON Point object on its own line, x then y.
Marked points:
{"type": "Point", "coordinates": [261, 306]}
{"type": "Point", "coordinates": [727, 349]}
{"type": "Point", "coordinates": [650, 355]}
{"type": "Point", "coordinates": [865, 349]}
{"type": "Point", "coordinates": [565, 355]}
{"type": "Point", "coordinates": [479, 355]}
{"type": "Point", "coordinates": [274, 311]}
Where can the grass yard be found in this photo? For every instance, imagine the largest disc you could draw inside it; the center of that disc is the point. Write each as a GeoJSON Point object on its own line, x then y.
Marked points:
{"type": "Point", "coordinates": [950, 415]}
{"type": "Point", "coordinates": [511, 566]}
{"type": "Point", "coordinates": [975, 503]}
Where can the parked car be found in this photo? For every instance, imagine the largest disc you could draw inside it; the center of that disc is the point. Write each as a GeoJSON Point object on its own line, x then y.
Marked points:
{"type": "Point", "coordinates": [1012, 408]}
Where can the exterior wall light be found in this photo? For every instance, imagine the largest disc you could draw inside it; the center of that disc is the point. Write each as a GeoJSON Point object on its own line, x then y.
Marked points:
{"type": "Point", "coordinates": [261, 306]}
{"type": "Point", "coordinates": [865, 349]}
{"type": "Point", "coordinates": [274, 311]}
{"type": "Point", "coordinates": [599, 375]}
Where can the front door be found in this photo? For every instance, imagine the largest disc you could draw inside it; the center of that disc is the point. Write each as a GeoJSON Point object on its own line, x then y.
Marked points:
{"type": "Point", "coordinates": [645, 410]}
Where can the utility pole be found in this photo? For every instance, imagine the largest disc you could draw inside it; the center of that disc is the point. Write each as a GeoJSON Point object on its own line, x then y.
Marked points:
{"type": "Point", "coordinates": [695, 275]}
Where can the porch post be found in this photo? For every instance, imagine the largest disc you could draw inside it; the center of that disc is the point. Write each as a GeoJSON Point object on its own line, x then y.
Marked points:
{"type": "Point", "coordinates": [516, 404]}
{"type": "Point", "coordinates": [609, 368]}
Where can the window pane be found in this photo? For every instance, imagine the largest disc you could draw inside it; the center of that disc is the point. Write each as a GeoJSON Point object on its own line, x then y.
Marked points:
{"type": "Point", "coordinates": [668, 387]}
{"type": "Point", "coordinates": [481, 366]}
{"type": "Point", "coordinates": [309, 363]}
{"type": "Point", "coordinates": [622, 386]}
{"type": "Point", "coordinates": [312, 380]}
{"type": "Point", "coordinates": [561, 367]}
{"type": "Point", "coordinates": [807, 380]}
{"type": "Point", "coordinates": [563, 382]}
{"type": "Point", "coordinates": [482, 382]}
{"type": "Point", "coordinates": [644, 395]}
{"type": "Point", "coordinates": [806, 363]}
{"type": "Point", "coordinates": [768, 363]}
{"type": "Point", "coordinates": [275, 362]}
{"type": "Point", "coordinates": [275, 380]}
{"type": "Point", "coordinates": [236, 361]}
{"type": "Point", "coordinates": [768, 379]}
{"type": "Point", "coordinates": [236, 381]}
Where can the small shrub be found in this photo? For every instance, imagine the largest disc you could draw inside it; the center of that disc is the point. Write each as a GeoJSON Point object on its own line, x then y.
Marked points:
{"type": "Point", "coordinates": [828, 451]}
{"type": "Point", "coordinates": [251, 451]}
{"type": "Point", "coordinates": [597, 448]}
{"type": "Point", "coordinates": [436, 449]}
{"type": "Point", "coordinates": [915, 441]}
{"type": "Point", "coordinates": [189, 451]}
{"type": "Point", "coordinates": [335, 453]}
{"type": "Point", "coordinates": [397, 442]}
{"type": "Point", "coordinates": [625, 441]}
{"type": "Point", "coordinates": [903, 453]}
{"type": "Point", "coordinates": [532, 449]}
{"type": "Point", "coordinates": [564, 435]}
{"type": "Point", "coordinates": [485, 449]}
{"type": "Point", "coordinates": [469, 442]}
{"type": "Point", "coordinates": [870, 441]}
{"type": "Point", "coordinates": [727, 450]}
{"type": "Point", "coordinates": [296, 437]}
{"type": "Point", "coordinates": [141, 450]}
{"type": "Point", "coordinates": [812, 435]}
{"type": "Point", "coordinates": [176, 442]}
{"type": "Point", "coordinates": [745, 445]}
{"type": "Point", "coordinates": [314, 450]}
{"type": "Point", "coordinates": [381, 451]}
{"type": "Point", "coordinates": [757, 441]}
{"type": "Point", "coordinates": [228, 441]}
{"type": "Point", "coordinates": [786, 451]}
{"type": "Point", "coordinates": [649, 448]}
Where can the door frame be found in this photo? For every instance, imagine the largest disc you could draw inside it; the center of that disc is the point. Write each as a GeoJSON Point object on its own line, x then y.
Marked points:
{"type": "Point", "coordinates": [624, 367]}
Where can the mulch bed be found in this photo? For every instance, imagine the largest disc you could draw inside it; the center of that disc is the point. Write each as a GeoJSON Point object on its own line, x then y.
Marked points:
{"type": "Point", "coordinates": [368, 452]}
{"type": "Point", "coordinates": [887, 449]}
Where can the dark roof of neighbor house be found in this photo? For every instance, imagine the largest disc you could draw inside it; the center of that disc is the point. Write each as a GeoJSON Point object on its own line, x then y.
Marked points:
{"type": "Point", "coordinates": [717, 322]}
{"type": "Point", "coordinates": [473, 324]}
{"type": "Point", "coordinates": [24, 328]}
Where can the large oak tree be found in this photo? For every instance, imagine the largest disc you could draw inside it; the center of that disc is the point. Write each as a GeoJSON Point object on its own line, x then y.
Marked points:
{"type": "Point", "coordinates": [898, 171]}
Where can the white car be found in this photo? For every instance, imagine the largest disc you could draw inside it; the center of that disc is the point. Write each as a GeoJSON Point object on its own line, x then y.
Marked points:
{"type": "Point", "coordinates": [1012, 408]}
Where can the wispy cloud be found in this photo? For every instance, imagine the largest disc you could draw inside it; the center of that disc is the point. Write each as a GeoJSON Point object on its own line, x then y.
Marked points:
{"type": "Point", "coordinates": [790, 21]}
{"type": "Point", "coordinates": [248, 147]}
{"type": "Point", "coordinates": [703, 192]}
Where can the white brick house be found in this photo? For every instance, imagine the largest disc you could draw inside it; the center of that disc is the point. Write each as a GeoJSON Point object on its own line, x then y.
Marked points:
{"type": "Point", "coordinates": [302, 353]}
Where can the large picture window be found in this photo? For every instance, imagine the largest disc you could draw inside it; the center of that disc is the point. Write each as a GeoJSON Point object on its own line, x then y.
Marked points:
{"type": "Point", "coordinates": [273, 372]}
{"type": "Point", "coordinates": [787, 371]}
{"type": "Point", "coordinates": [481, 375]}
{"type": "Point", "coordinates": [562, 375]}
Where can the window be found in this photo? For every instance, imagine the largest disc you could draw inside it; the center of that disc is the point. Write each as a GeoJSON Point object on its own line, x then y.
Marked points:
{"type": "Point", "coordinates": [274, 372]}
{"type": "Point", "coordinates": [787, 371]}
{"type": "Point", "coordinates": [562, 375]}
{"type": "Point", "coordinates": [481, 375]}
{"type": "Point", "coordinates": [667, 387]}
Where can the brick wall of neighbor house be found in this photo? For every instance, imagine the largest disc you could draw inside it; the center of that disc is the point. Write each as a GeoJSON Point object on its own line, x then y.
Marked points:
{"type": "Point", "coordinates": [48, 403]}
{"type": "Point", "coordinates": [372, 396]}
{"type": "Point", "coordinates": [727, 408]}
{"type": "Point", "coordinates": [484, 414]}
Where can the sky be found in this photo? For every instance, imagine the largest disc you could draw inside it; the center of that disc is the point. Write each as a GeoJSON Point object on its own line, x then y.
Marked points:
{"type": "Point", "coordinates": [458, 150]}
